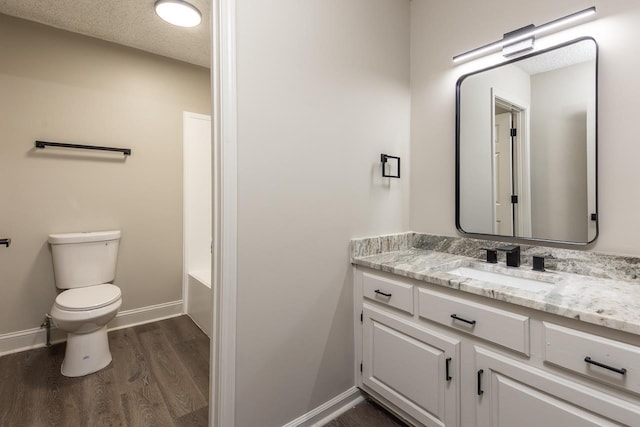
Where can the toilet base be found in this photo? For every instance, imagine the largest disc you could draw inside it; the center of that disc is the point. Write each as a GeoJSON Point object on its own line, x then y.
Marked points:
{"type": "Point", "coordinates": [86, 353]}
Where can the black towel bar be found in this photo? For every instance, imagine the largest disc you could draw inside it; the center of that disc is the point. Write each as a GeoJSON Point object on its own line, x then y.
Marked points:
{"type": "Point", "coordinates": [42, 144]}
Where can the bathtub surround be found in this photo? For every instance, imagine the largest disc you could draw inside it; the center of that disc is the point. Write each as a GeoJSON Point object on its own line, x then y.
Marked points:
{"type": "Point", "coordinates": [197, 220]}
{"type": "Point", "coordinates": [595, 288]}
{"type": "Point", "coordinates": [200, 300]}
{"type": "Point", "coordinates": [66, 87]}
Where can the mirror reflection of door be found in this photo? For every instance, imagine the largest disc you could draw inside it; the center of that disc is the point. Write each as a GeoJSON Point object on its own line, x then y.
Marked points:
{"type": "Point", "coordinates": [502, 173]}
{"type": "Point", "coordinates": [510, 166]}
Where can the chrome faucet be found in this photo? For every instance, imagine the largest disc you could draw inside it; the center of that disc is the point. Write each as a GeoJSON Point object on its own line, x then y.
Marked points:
{"type": "Point", "coordinates": [513, 255]}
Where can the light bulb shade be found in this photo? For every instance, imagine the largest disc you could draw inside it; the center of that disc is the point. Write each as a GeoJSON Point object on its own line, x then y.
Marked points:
{"type": "Point", "coordinates": [178, 12]}
{"type": "Point", "coordinates": [525, 33]}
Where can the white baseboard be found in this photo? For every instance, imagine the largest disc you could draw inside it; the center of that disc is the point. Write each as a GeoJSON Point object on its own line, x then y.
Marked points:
{"type": "Point", "coordinates": [15, 342]}
{"type": "Point", "coordinates": [148, 314]}
{"type": "Point", "coordinates": [329, 410]}
{"type": "Point", "coordinates": [28, 339]}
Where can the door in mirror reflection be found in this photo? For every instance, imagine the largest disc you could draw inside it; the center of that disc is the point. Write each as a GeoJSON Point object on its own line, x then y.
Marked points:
{"type": "Point", "coordinates": [526, 146]}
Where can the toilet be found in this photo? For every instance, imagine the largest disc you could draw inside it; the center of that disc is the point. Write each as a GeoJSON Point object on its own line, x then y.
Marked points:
{"type": "Point", "coordinates": [84, 265]}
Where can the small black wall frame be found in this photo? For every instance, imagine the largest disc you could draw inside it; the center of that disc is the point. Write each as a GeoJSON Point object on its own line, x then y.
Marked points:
{"type": "Point", "coordinates": [383, 159]}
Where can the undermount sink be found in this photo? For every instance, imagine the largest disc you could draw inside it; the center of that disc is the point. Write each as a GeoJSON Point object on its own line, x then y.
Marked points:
{"type": "Point", "coordinates": [480, 272]}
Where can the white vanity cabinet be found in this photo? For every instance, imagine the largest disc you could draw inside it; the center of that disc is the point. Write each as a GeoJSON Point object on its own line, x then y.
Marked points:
{"type": "Point", "coordinates": [511, 393]}
{"type": "Point", "coordinates": [411, 366]}
{"type": "Point", "coordinates": [401, 362]}
{"type": "Point", "coordinates": [440, 357]}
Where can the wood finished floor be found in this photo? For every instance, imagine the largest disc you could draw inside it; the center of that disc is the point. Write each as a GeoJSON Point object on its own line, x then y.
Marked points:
{"type": "Point", "coordinates": [366, 414]}
{"type": "Point", "coordinates": [159, 377]}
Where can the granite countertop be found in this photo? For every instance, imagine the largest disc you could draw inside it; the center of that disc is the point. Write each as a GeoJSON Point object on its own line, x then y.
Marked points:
{"type": "Point", "coordinates": [603, 301]}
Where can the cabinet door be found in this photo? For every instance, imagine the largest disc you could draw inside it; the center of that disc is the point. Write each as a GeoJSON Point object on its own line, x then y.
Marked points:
{"type": "Point", "coordinates": [412, 367]}
{"type": "Point", "coordinates": [510, 393]}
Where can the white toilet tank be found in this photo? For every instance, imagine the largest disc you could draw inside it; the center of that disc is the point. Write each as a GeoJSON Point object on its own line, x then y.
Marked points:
{"type": "Point", "coordinates": [84, 259]}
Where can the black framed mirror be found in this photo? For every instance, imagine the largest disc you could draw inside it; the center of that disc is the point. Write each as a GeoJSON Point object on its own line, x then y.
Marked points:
{"type": "Point", "coordinates": [526, 146]}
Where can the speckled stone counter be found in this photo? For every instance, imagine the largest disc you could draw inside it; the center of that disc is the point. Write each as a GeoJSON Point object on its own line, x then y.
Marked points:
{"type": "Point", "coordinates": [606, 291]}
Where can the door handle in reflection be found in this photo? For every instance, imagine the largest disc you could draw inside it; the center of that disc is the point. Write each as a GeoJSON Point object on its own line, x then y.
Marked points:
{"type": "Point", "coordinates": [6, 242]}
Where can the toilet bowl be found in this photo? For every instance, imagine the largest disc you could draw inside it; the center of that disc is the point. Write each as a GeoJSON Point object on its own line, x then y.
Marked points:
{"type": "Point", "coordinates": [84, 313]}
{"type": "Point", "coordinates": [84, 266]}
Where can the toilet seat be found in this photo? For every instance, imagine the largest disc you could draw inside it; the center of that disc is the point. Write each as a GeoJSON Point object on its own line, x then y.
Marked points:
{"type": "Point", "coordinates": [88, 298]}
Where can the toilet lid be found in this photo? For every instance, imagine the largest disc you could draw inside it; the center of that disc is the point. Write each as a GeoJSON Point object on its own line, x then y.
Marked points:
{"type": "Point", "coordinates": [88, 298]}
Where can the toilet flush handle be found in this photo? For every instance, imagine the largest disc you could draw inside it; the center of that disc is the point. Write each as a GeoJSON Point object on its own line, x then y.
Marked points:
{"type": "Point", "coordinates": [6, 242]}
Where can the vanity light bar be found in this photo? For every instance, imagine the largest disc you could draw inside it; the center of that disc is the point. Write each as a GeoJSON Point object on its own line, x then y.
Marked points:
{"type": "Point", "coordinates": [509, 39]}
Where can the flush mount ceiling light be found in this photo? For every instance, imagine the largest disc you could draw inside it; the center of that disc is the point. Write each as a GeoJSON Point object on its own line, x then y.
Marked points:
{"type": "Point", "coordinates": [178, 12]}
{"type": "Point", "coordinates": [522, 39]}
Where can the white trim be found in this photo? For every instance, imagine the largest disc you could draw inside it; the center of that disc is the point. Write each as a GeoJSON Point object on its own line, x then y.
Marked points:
{"type": "Point", "coordinates": [28, 339]}
{"type": "Point", "coordinates": [185, 215]}
{"type": "Point", "coordinates": [224, 263]}
{"type": "Point", "coordinates": [524, 175]}
{"type": "Point", "coordinates": [148, 314]}
{"type": "Point", "coordinates": [356, 279]}
{"type": "Point", "coordinates": [330, 410]}
{"type": "Point", "coordinates": [522, 210]}
{"type": "Point", "coordinates": [228, 206]}
{"type": "Point", "coordinates": [214, 376]}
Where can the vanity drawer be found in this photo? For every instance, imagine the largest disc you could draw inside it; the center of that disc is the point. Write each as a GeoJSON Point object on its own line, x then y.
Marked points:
{"type": "Point", "coordinates": [569, 348]}
{"type": "Point", "coordinates": [388, 291]}
{"type": "Point", "coordinates": [492, 324]}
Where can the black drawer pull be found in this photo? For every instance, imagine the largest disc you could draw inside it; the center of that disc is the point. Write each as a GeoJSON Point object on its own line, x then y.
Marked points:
{"type": "Point", "coordinates": [378, 291]}
{"type": "Point", "coordinates": [455, 316]}
{"type": "Point", "coordinates": [447, 362]}
{"type": "Point", "coordinates": [480, 390]}
{"type": "Point", "coordinates": [621, 371]}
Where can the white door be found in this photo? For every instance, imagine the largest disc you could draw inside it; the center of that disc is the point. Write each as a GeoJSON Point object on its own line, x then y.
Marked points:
{"type": "Point", "coordinates": [511, 394]}
{"type": "Point", "coordinates": [502, 175]}
{"type": "Point", "coordinates": [414, 368]}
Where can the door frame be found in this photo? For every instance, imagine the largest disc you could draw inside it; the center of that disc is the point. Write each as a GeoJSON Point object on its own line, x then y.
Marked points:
{"type": "Point", "coordinates": [498, 173]}
{"type": "Point", "coordinates": [222, 378]}
{"type": "Point", "coordinates": [520, 161]}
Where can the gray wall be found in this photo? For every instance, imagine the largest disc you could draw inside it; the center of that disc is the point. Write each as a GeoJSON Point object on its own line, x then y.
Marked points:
{"type": "Point", "coordinates": [559, 107]}
{"type": "Point", "coordinates": [323, 89]}
{"type": "Point", "coordinates": [64, 87]}
{"type": "Point", "coordinates": [433, 78]}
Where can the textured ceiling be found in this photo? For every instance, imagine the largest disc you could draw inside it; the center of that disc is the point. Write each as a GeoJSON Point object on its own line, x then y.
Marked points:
{"type": "Point", "coordinates": [559, 58]}
{"type": "Point", "coordinates": [131, 23]}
